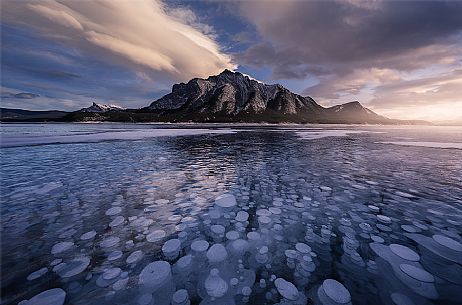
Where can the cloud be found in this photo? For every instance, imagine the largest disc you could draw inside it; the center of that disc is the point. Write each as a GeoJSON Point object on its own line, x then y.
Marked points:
{"type": "Point", "coordinates": [436, 98]}
{"type": "Point", "coordinates": [139, 35]}
{"type": "Point", "coordinates": [345, 35]}
{"type": "Point", "coordinates": [364, 51]}
{"type": "Point", "coordinates": [20, 95]}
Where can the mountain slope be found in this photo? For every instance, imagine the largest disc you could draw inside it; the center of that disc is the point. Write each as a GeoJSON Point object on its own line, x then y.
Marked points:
{"type": "Point", "coordinates": [20, 115]}
{"type": "Point", "coordinates": [233, 96]}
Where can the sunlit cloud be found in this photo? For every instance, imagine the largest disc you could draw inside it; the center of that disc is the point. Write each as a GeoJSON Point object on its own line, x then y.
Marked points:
{"type": "Point", "coordinates": [139, 35]}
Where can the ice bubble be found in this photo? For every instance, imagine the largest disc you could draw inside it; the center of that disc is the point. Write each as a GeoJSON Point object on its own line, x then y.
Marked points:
{"type": "Point", "coordinates": [264, 220]}
{"type": "Point", "coordinates": [61, 247]}
{"type": "Point", "coordinates": [171, 248]}
{"type": "Point", "coordinates": [155, 274]}
{"type": "Point", "coordinates": [199, 246]}
{"type": "Point", "coordinates": [303, 248]}
{"type": "Point", "coordinates": [180, 297]}
{"type": "Point", "coordinates": [373, 208]}
{"type": "Point", "coordinates": [240, 246]}
{"type": "Point", "coordinates": [215, 286]}
{"type": "Point", "coordinates": [155, 236]}
{"type": "Point", "coordinates": [113, 211]}
{"type": "Point", "coordinates": [134, 257]}
{"type": "Point", "coordinates": [384, 219]}
{"type": "Point", "coordinates": [448, 242]}
{"type": "Point", "coordinates": [110, 242]}
{"type": "Point", "coordinates": [242, 216]}
{"type": "Point", "coordinates": [232, 235]}
{"type": "Point", "coordinates": [217, 253]}
{"type": "Point", "coordinates": [401, 299]}
{"type": "Point", "coordinates": [120, 284]}
{"type": "Point", "coordinates": [336, 291]}
{"type": "Point", "coordinates": [384, 228]}
{"type": "Point", "coordinates": [286, 289]}
{"type": "Point", "coordinates": [365, 226]}
{"type": "Point", "coordinates": [263, 212]}
{"type": "Point", "coordinates": [275, 211]}
{"type": "Point", "coordinates": [55, 296]}
{"type": "Point", "coordinates": [218, 229]}
{"type": "Point", "coordinates": [246, 291]}
{"type": "Point", "coordinates": [37, 274]}
{"type": "Point", "coordinates": [117, 221]}
{"type": "Point", "coordinates": [377, 239]}
{"type": "Point", "coordinates": [112, 273]}
{"type": "Point", "coordinates": [184, 263]}
{"type": "Point", "coordinates": [404, 252]}
{"type": "Point", "coordinates": [225, 201]}
{"type": "Point", "coordinates": [114, 255]}
{"type": "Point", "coordinates": [74, 267]}
{"type": "Point", "coordinates": [253, 236]}
{"type": "Point", "coordinates": [88, 235]}
{"type": "Point", "coordinates": [409, 228]}
{"type": "Point", "coordinates": [417, 273]}
{"type": "Point", "coordinates": [56, 261]}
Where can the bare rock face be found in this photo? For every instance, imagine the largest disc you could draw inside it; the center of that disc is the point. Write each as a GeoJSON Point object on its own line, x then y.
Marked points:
{"type": "Point", "coordinates": [233, 94]}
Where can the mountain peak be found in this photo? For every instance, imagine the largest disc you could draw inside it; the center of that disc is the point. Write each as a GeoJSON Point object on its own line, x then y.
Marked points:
{"type": "Point", "coordinates": [98, 108]}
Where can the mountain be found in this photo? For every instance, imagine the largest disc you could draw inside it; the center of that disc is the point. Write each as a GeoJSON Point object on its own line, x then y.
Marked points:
{"type": "Point", "coordinates": [99, 108]}
{"type": "Point", "coordinates": [20, 115]}
{"type": "Point", "coordinates": [233, 97]}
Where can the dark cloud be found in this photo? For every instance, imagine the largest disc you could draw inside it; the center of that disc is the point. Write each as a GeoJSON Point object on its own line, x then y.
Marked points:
{"type": "Point", "coordinates": [346, 35]}
{"type": "Point", "coordinates": [21, 95]}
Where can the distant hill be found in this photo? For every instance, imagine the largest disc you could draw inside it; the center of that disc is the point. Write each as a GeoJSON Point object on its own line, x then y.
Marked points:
{"type": "Point", "coordinates": [100, 108]}
{"type": "Point", "coordinates": [15, 115]}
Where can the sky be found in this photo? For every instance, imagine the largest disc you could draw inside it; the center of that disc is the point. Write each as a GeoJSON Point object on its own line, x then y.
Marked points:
{"type": "Point", "coordinates": [402, 59]}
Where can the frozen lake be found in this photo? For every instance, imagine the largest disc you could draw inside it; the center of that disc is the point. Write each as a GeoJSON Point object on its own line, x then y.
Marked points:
{"type": "Point", "coordinates": [230, 214]}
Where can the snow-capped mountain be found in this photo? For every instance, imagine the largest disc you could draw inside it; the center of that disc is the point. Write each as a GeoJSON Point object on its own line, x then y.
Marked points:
{"type": "Point", "coordinates": [99, 108]}
{"type": "Point", "coordinates": [233, 96]}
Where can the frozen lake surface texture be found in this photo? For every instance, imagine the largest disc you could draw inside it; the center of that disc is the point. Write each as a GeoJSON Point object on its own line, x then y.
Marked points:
{"type": "Point", "coordinates": [215, 214]}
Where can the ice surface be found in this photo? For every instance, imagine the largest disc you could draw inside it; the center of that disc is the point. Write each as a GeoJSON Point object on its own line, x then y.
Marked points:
{"type": "Point", "coordinates": [456, 145]}
{"type": "Point", "coordinates": [107, 135]}
{"type": "Point", "coordinates": [385, 225]}
{"type": "Point", "coordinates": [319, 134]}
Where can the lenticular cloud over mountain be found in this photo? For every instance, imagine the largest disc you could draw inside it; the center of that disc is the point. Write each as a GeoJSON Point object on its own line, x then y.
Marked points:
{"type": "Point", "coordinates": [142, 37]}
